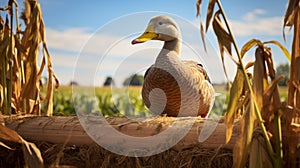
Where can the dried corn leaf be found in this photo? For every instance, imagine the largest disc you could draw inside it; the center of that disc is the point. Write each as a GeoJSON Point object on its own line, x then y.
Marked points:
{"type": "Point", "coordinates": [224, 39]}
{"type": "Point", "coordinates": [290, 13]}
{"type": "Point", "coordinates": [235, 95]}
{"type": "Point", "coordinates": [271, 100]}
{"type": "Point", "coordinates": [1, 95]}
{"type": "Point", "coordinates": [4, 44]}
{"type": "Point", "coordinates": [17, 83]}
{"type": "Point", "coordinates": [25, 54]}
{"type": "Point", "coordinates": [8, 138]}
{"type": "Point", "coordinates": [5, 146]}
{"type": "Point", "coordinates": [289, 17]}
{"type": "Point", "coordinates": [296, 54]}
{"type": "Point", "coordinates": [198, 6]}
{"type": "Point", "coordinates": [8, 135]}
{"type": "Point", "coordinates": [51, 76]}
{"type": "Point", "coordinates": [222, 35]}
{"type": "Point", "coordinates": [203, 36]}
{"type": "Point", "coordinates": [260, 76]}
{"type": "Point", "coordinates": [1, 26]}
{"type": "Point", "coordinates": [269, 61]}
{"type": "Point", "coordinates": [4, 66]}
{"type": "Point", "coordinates": [293, 93]}
{"type": "Point", "coordinates": [241, 150]}
{"type": "Point", "coordinates": [283, 49]}
{"type": "Point", "coordinates": [25, 15]}
{"type": "Point", "coordinates": [43, 63]}
{"type": "Point", "coordinates": [251, 43]}
{"type": "Point", "coordinates": [5, 36]}
{"type": "Point", "coordinates": [210, 10]}
{"type": "Point", "coordinates": [259, 156]}
{"type": "Point", "coordinates": [32, 154]}
{"type": "Point", "coordinates": [33, 36]}
{"type": "Point", "coordinates": [13, 86]}
{"type": "Point", "coordinates": [249, 65]}
{"type": "Point", "coordinates": [31, 40]}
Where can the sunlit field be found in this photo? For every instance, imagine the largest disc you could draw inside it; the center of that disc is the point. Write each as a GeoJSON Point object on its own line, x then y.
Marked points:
{"type": "Point", "coordinates": [110, 101]}
{"type": "Point", "coordinates": [125, 101]}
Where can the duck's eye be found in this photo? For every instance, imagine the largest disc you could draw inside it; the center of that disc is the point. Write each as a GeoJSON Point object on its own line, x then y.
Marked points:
{"type": "Point", "coordinates": [200, 65]}
{"type": "Point", "coordinates": [160, 23]}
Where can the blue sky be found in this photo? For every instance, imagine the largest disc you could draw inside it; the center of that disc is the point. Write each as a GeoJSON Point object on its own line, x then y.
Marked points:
{"type": "Point", "coordinates": [72, 25]}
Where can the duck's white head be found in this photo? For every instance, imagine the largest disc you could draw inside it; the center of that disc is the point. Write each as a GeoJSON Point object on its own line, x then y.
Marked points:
{"type": "Point", "coordinates": [159, 28]}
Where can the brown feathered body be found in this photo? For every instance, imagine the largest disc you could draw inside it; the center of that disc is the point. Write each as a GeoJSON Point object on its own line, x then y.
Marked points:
{"type": "Point", "coordinates": [186, 87]}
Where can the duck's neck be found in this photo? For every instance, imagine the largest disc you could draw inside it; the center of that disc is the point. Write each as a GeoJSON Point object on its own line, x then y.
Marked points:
{"type": "Point", "coordinates": [173, 45]}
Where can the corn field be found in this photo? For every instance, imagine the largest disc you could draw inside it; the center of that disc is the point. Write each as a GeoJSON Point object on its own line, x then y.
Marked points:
{"type": "Point", "coordinates": [125, 102]}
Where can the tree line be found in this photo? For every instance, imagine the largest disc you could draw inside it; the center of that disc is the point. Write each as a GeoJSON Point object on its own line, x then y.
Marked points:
{"type": "Point", "coordinates": [138, 80]}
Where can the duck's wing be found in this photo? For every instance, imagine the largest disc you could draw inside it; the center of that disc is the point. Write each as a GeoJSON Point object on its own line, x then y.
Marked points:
{"type": "Point", "coordinates": [205, 88]}
{"type": "Point", "coordinates": [197, 67]}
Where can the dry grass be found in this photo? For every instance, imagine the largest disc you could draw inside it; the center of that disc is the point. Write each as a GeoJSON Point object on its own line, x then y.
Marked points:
{"type": "Point", "coordinates": [95, 156]}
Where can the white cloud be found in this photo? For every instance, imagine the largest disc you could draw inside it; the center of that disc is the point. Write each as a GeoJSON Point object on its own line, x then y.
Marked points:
{"type": "Point", "coordinates": [251, 16]}
{"type": "Point", "coordinates": [253, 23]}
{"type": "Point", "coordinates": [69, 39]}
{"type": "Point", "coordinates": [63, 60]}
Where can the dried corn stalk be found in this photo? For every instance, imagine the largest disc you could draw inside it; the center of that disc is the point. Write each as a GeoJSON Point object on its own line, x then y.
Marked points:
{"type": "Point", "coordinates": [267, 98]}
{"type": "Point", "coordinates": [33, 36]}
{"type": "Point", "coordinates": [26, 72]}
{"type": "Point", "coordinates": [292, 19]}
{"type": "Point", "coordinates": [4, 63]}
{"type": "Point", "coordinates": [292, 112]}
{"type": "Point", "coordinates": [257, 99]}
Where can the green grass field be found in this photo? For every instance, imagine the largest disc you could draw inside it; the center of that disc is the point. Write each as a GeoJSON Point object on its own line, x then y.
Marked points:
{"type": "Point", "coordinates": [111, 102]}
{"type": "Point", "coordinates": [119, 101]}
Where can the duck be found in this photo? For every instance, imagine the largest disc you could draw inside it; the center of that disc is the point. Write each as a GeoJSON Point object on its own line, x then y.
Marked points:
{"type": "Point", "coordinates": [174, 87]}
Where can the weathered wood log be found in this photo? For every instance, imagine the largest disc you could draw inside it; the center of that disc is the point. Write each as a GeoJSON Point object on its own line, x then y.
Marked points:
{"type": "Point", "coordinates": [59, 130]}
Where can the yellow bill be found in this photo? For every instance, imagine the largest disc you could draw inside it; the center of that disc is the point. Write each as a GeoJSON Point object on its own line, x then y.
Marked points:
{"type": "Point", "coordinates": [149, 34]}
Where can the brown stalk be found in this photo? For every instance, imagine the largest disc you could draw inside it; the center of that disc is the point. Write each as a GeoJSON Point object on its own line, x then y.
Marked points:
{"type": "Point", "coordinates": [19, 64]}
